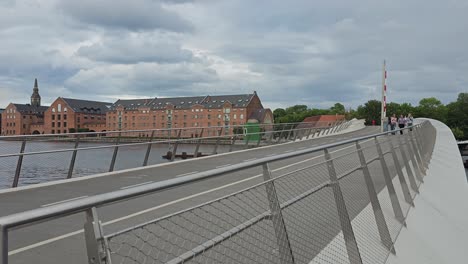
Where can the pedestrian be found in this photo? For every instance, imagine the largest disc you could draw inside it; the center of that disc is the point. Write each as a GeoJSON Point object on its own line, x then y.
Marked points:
{"type": "Point", "coordinates": [410, 121]}
{"type": "Point", "coordinates": [401, 123]}
{"type": "Point", "coordinates": [393, 123]}
{"type": "Point", "coordinates": [389, 123]}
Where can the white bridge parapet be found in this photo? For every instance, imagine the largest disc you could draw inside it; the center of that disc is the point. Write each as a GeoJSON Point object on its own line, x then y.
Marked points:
{"type": "Point", "coordinates": [437, 229]}
{"type": "Point", "coordinates": [437, 225]}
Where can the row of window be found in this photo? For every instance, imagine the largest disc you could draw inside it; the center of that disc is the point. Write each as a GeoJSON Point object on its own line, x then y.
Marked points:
{"type": "Point", "coordinates": [58, 124]}
{"type": "Point", "coordinates": [11, 124]}
{"type": "Point", "coordinates": [163, 125]}
{"type": "Point", "coordinates": [59, 116]}
{"type": "Point", "coordinates": [58, 131]}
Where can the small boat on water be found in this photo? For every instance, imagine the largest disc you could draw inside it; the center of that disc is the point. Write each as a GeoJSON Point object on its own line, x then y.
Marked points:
{"type": "Point", "coordinates": [463, 147]}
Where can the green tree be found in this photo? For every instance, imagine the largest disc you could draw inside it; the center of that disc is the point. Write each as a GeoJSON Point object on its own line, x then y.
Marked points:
{"type": "Point", "coordinates": [338, 109]}
{"type": "Point", "coordinates": [431, 108]}
{"type": "Point", "coordinates": [370, 111]}
{"type": "Point", "coordinates": [458, 133]}
{"type": "Point", "coordinates": [457, 115]}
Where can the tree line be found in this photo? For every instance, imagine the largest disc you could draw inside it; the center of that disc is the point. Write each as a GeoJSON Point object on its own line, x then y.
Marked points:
{"type": "Point", "coordinates": [453, 114]}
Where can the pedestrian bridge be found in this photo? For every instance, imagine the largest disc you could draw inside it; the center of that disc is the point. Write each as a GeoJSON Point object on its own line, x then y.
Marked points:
{"type": "Point", "coordinates": [360, 197]}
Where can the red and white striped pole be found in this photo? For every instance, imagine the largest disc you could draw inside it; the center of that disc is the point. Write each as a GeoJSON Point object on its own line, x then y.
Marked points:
{"type": "Point", "coordinates": [384, 99]}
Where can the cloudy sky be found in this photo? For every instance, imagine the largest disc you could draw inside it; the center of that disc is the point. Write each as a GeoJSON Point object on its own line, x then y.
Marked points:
{"type": "Point", "coordinates": [290, 52]}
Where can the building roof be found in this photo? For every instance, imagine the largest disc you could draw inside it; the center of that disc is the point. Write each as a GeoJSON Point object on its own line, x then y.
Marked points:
{"type": "Point", "coordinates": [177, 102]}
{"type": "Point", "coordinates": [259, 114]}
{"type": "Point", "coordinates": [131, 104]}
{"type": "Point", "coordinates": [86, 106]}
{"type": "Point", "coordinates": [215, 101]}
{"type": "Point", "coordinates": [237, 100]}
{"type": "Point", "coordinates": [30, 109]}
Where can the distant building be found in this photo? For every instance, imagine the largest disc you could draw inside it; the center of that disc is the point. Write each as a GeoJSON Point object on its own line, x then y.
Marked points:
{"type": "Point", "coordinates": [67, 115]}
{"type": "Point", "coordinates": [182, 112]}
{"type": "Point", "coordinates": [1, 111]}
{"type": "Point", "coordinates": [21, 119]}
{"type": "Point", "coordinates": [320, 121]}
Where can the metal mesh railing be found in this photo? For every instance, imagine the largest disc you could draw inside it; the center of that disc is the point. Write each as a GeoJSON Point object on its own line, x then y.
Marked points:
{"type": "Point", "coordinates": [342, 208]}
{"type": "Point", "coordinates": [39, 158]}
{"type": "Point", "coordinates": [346, 204]}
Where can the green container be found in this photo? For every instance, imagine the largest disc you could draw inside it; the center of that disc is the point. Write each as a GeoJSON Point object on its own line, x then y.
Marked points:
{"type": "Point", "coordinates": [252, 131]}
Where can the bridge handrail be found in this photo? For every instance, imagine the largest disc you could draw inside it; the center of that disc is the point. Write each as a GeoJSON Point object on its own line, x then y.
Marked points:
{"type": "Point", "coordinates": [266, 135]}
{"type": "Point", "coordinates": [89, 204]}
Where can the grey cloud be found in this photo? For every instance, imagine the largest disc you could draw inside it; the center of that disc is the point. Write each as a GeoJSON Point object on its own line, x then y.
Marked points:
{"type": "Point", "coordinates": [129, 51]}
{"type": "Point", "coordinates": [140, 79]}
{"type": "Point", "coordinates": [136, 15]}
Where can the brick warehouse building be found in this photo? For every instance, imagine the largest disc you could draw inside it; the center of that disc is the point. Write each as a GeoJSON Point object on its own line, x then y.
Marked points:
{"type": "Point", "coordinates": [67, 115]}
{"type": "Point", "coordinates": [20, 119]}
{"type": "Point", "coordinates": [180, 112]}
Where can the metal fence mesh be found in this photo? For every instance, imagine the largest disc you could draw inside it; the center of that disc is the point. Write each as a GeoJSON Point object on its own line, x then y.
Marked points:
{"type": "Point", "coordinates": [239, 228]}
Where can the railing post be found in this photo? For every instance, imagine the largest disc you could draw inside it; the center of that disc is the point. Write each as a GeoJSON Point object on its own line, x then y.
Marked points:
{"type": "Point", "coordinates": [284, 247]}
{"type": "Point", "coordinates": [411, 154]}
{"type": "Point", "coordinates": [295, 133]}
{"type": "Point", "coordinates": [220, 132]}
{"type": "Point", "coordinates": [247, 139]}
{"type": "Point", "coordinates": [388, 181]}
{"type": "Point", "coordinates": [271, 137]}
{"type": "Point", "coordinates": [116, 150]}
{"type": "Point", "coordinates": [411, 178]}
{"type": "Point", "coordinates": [148, 149]}
{"type": "Point", "coordinates": [3, 245]}
{"type": "Point", "coordinates": [259, 138]}
{"type": "Point", "coordinates": [195, 154]}
{"type": "Point", "coordinates": [73, 158]}
{"type": "Point", "coordinates": [378, 214]}
{"type": "Point", "coordinates": [350, 239]}
{"type": "Point", "coordinates": [401, 177]}
{"type": "Point", "coordinates": [19, 164]}
{"type": "Point", "coordinates": [308, 133]}
{"type": "Point", "coordinates": [96, 247]}
{"type": "Point", "coordinates": [176, 145]}
{"type": "Point", "coordinates": [421, 149]}
{"type": "Point", "coordinates": [289, 133]}
{"type": "Point", "coordinates": [417, 152]}
{"type": "Point", "coordinates": [280, 135]}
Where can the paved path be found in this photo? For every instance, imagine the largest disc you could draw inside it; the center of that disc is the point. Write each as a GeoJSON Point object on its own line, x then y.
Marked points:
{"type": "Point", "coordinates": [53, 241]}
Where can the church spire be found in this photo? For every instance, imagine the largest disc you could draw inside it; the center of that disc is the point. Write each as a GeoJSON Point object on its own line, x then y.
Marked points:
{"type": "Point", "coordinates": [35, 97]}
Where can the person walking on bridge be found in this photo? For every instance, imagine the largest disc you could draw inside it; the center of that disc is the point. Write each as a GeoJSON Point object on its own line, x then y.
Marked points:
{"type": "Point", "coordinates": [393, 123]}
{"type": "Point", "coordinates": [401, 123]}
{"type": "Point", "coordinates": [410, 121]}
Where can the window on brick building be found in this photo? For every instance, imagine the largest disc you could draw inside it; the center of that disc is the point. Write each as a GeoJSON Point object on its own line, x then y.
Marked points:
{"type": "Point", "coordinates": [185, 124]}
{"type": "Point", "coordinates": [58, 124]}
{"type": "Point", "coordinates": [78, 119]}
{"type": "Point", "coordinates": [53, 124]}
{"type": "Point", "coordinates": [24, 117]}
{"type": "Point", "coordinates": [53, 131]}
{"type": "Point", "coordinates": [64, 124]}
{"type": "Point", "coordinates": [65, 116]}
{"type": "Point", "coordinates": [235, 116]}
{"type": "Point", "coordinates": [241, 116]}
{"type": "Point", "coordinates": [133, 124]}
{"type": "Point", "coordinates": [53, 117]}
{"type": "Point", "coordinates": [209, 116]}
{"type": "Point", "coordinates": [209, 124]}
{"type": "Point", "coordinates": [24, 126]}
{"type": "Point", "coordinates": [58, 117]}
{"type": "Point", "coordinates": [219, 116]}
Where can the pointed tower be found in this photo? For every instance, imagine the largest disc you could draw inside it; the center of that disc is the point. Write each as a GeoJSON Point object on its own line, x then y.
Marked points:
{"type": "Point", "coordinates": [35, 97]}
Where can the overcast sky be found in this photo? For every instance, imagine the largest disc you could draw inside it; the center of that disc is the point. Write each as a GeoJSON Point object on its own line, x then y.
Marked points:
{"type": "Point", "coordinates": [290, 52]}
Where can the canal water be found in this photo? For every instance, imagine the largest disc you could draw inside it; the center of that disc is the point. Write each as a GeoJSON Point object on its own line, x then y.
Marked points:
{"type": "Point", "coordinates": [53, 166]}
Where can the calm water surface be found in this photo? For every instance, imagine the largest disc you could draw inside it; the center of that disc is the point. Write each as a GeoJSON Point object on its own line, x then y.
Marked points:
{"type": "Point", "coordinates": [46, 167]}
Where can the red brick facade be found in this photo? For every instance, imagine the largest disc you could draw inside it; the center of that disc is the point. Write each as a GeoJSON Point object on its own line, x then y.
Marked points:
{"type": "Point", "coordinates": [20, 119]}
{"type": "Point", "coordinates": [63, 116]}
{"type": "Point", "coordinates": [184, 112]}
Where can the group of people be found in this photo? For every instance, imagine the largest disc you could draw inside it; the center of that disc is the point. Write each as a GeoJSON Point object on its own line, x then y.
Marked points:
{"type": "Point", "coordinates": [400, 122]}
